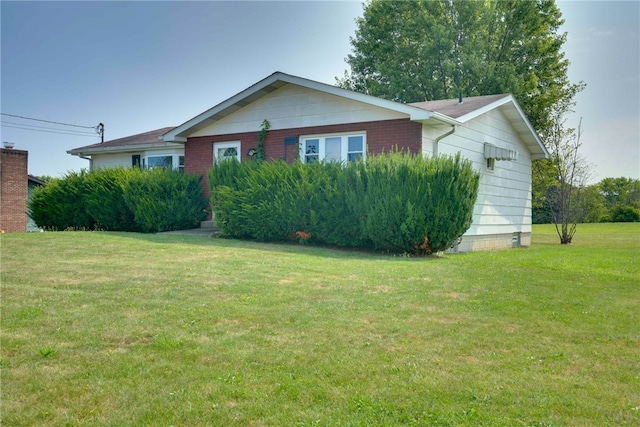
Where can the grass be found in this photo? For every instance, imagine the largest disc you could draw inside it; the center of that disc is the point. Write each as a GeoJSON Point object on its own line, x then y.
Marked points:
{"type": "Point", "coordinates": [114, 329]}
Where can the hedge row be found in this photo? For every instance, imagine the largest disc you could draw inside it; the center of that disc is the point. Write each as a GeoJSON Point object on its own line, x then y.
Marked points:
{"type": "Point", "coordinates": [120, 200]}
{"type": "Point", "coordinates": [395, 202]}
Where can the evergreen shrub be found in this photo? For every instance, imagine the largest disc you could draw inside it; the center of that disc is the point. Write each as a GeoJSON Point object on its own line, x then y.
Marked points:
{"type": "Point", "coordinates": [165, 200]}
{"type": "Point", "coordinates": [105, 199]}
{"type": "Point", "coordinates": [120, 200]}
{"type": "Point", "coordinates": [62, 204]}
{"type": "Point", "coordinates": [394, 202]}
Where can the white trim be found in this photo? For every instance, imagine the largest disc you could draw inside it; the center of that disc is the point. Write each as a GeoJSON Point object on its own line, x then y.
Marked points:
{"type": "Point", "coordinates": [224, 145]}
{"type": "Point", "coordinates": [322, 138]}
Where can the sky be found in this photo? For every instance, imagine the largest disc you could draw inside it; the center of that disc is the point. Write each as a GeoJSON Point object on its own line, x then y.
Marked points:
{"type": "Point", "coordinates": [140, 66]}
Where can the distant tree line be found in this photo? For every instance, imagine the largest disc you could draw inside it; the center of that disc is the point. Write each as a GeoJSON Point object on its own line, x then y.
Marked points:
{"type": "Point", "coordinates": [610, 200]}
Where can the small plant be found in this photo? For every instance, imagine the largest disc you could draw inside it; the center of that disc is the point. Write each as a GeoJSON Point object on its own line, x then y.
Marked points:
{"type": "Point", "coordinates": [261, 155]}
{"type": "Point", "coordinates": [46, 352]}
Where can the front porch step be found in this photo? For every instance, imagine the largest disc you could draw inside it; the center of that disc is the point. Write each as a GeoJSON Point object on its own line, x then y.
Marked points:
{"type": "Point", "coordinates": [207, 224]}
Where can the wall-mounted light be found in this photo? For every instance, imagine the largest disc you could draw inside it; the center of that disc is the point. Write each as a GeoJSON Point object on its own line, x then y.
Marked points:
{"type": "Point", "coordinates": [252, 152]}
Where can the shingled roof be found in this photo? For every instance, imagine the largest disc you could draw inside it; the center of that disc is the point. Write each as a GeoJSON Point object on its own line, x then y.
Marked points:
{"type": "Point", "coordinates": [455, 109]}
{"type": "Point", "coordinates": [141, 140]}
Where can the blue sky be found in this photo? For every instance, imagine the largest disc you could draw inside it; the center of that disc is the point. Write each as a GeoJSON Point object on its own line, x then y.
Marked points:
{"type": "Point", "coordinates": [139, 66]}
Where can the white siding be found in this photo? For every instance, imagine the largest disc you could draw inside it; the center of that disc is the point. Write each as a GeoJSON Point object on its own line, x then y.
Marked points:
{"type": "Point", "coordinates": [104, 161]}
{"type": "Point", "coordinates": [504, 198]}
{"type": "Point", "coordinates": [294, 106]}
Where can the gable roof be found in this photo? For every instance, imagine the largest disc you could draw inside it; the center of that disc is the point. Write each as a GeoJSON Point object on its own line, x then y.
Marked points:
{"type": "Point", "coordinates": [474, 106]}
{"type": "Point", "coordinates": [448, 111]}
{"type": "Point", "coordinates": [143, 141]}
{"type": "Point", "coordinates": [276, 81]}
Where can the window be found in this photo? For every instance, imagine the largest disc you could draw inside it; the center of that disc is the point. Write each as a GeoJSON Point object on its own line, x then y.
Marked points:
{"type": "Point", "coordinates": [332, 148]}
{"type": "Point", "coordinates": [226, 150]}
{"type": "Point", "coordinates": [491, 163]}
{"type": "Point", "coordinates": [164, 162]}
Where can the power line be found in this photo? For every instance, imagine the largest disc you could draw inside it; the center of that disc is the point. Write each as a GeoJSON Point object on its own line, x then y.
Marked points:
{"type": "Point", "coordinates": [49, 131]}
{"type": "Point", "coordinates": [33, 127]}
{"type": "Point", "coordinates": [49, 121]}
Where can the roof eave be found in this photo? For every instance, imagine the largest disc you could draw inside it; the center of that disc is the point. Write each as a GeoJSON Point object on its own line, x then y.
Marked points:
{"type": "Point", "coordinates": [123, 148]}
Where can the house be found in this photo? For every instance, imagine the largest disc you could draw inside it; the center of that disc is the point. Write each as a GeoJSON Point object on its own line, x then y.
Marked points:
{"type": "Point", "coordinates": [312, 121]}
{"type": "Point", "coordinates": [146, 149]}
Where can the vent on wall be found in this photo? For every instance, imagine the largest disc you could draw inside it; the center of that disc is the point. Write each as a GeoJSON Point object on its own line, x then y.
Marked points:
{"type": "Point", "coordinates": [493, 152]}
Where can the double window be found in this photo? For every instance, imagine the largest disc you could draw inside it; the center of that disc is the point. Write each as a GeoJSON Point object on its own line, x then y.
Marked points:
{"type": "Point", "coordinates": [332, 148]}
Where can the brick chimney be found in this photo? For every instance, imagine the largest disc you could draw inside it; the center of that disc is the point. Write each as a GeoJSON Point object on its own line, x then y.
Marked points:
{"type": "Point", "coordinates": [14, 190]}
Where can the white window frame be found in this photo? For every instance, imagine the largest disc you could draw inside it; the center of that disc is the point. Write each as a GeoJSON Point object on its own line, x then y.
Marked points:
{"type": "Point", "coordinates": [175, 159]}
{"type": "Point", "coordinates": [224, 145]}
{"type": "Point", "coordinates": [322, 145]}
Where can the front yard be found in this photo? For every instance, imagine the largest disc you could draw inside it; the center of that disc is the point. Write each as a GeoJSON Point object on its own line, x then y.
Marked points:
{"type": "Point", "coordinates": [130, 329]}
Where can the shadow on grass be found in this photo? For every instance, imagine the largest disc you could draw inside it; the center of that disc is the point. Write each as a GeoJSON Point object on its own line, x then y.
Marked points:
{"type": "Point", "coordinates": [282, 247]}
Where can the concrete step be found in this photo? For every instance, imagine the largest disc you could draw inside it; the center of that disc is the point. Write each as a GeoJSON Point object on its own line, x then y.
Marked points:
{"type": "Point", "coordinates": [207, 224]}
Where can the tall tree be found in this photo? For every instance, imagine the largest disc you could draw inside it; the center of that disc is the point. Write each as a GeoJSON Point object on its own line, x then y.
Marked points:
{"type": "Point", "coordinates": [412, 51]}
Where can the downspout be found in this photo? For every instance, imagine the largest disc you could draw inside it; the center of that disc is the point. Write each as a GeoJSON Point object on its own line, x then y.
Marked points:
{"type": "Point", "coordinates": [437, 140]}
{"type": "Point", "coordinates": [90, 161]}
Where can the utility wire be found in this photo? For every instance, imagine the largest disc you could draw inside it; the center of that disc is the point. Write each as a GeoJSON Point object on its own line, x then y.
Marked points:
{"type": "Point", "coordinates": [50, 131]}
{"type": "Point", "coordinates": [33, 127]}
{"type": "Point", "coordinates": [49, 121]}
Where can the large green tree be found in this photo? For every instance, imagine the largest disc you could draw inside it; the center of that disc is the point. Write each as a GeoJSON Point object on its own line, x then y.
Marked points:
{"type": "Point", "coordinates": [411, 51]}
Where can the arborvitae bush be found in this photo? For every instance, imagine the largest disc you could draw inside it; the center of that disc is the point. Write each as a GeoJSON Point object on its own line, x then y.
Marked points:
{"type": "Point", "coordinates": [61, 204]}
{"type": "Point", "coordinates": [395, 202]}
{"type": "Point", "coordinates": [105, 198]}
{"type": "Point", "coordinates": [120, 200]}
{"type": "Point", "coordinates": [164, 200]}
{"type": "Point", "coordinates": [417, 204]}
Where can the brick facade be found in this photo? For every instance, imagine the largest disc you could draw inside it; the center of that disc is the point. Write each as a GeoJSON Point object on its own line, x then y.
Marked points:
{"type": "Point", "coordinates": [381, 136]}
{"type": "Point", "coordinates": [14, 184]}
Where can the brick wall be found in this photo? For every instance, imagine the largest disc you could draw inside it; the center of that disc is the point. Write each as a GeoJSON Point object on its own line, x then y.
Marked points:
{"type": "Point", "coordinates": [14, 184]}
{"type": "Point", "coordinates": [381, 136]}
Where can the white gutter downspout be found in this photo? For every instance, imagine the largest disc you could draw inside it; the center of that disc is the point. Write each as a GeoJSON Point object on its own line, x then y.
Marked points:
{"type": "Point", "coordinates": [437, 140]}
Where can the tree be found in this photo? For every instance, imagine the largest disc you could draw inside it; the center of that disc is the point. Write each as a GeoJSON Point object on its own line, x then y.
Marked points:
{"type": "Point", "coordinates": [426, 50]}
{"type": "Point", "coordinates": [621, 191]}
{"type": "Point", "coordinates": [571, 171]}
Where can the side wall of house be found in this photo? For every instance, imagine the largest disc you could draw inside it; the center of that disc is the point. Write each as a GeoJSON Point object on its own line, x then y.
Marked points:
{"type": "Point", "coordinates": [502, 214]}
{"type": "Point", "coordinates": [113, 160]}
{"type": "Point", "coordinates": [105, 161]}
{"type": "Point", "coordinates": [13, 190]}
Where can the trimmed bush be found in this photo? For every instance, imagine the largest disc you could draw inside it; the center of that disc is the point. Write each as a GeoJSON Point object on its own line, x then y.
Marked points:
{"type": "Point", "coordinates": [120, 200]}
{"type": "Point", "coordinates": [395, 202]}
{"type": "Point", "coordinates": [105, 199]}
{"type": "Point", "coordinates": [61, 204]}
{"type": "Point", "coordinates": [164, 200]}
{"type": "Point", "coordinates": [417, 204]}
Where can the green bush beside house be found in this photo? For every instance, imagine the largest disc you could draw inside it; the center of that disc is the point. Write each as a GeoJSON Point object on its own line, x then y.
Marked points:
{"type": "Point", "coordinates": [395, 202]}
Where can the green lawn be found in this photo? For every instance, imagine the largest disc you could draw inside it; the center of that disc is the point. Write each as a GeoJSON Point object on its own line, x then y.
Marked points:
{"type": "Point", "coordinates": [130, 330]}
